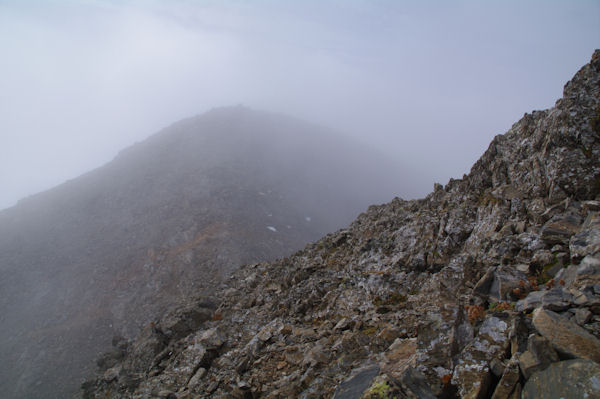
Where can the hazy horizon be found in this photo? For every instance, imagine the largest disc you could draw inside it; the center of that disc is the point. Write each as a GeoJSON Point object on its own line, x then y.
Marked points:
{"type": "Point", "coordinates": [427, 82]}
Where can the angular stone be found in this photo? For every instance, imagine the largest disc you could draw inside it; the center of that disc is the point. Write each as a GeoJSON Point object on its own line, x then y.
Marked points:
{"type": "Point", "coordinates": [185, 364]}
{"type": "Point", "coordinates": [315, 356]}
{"type": "Point", "coordinates": [590, 206]}
{"type": "Point", "coordinates": [516, 393]}
{"type": "Point", "coordinates": [497, 367]}
{"type": "Point", "coordinates": [414, 383]}
{"type": "Point", "coordinates": [506, 279]}
{"type": "Point", "coordinates": [182, 321]}
{"type": "Point", "coordinates": [472, 375]}
{"type": "Point", "coordinates": [565, 336]}
{"type": "Point", "coordinates": [530, 302]}
{"type": "Point", "coordinates": [538, 356]}
{"type": "Point", "coordinates": [582, 316]}
{"type": "Point", "coordinates": [293, 355]}
{"type": "Point", "coordinates": [523, 268]}
{"type": "Point", "coordinates": [519, 335]}
{"type": "Point", "coordinates": [560, 228]}
{"type": "Point", "coordinates": [344, 324]}
{"type": "Point", "coordinates": [195, 380]}
{"type": "Point", "coordinates": [508, 381]}
{"type": "Point", "coordinates": [112, 373]}
{"type": "Point", "coordinates": [498, 282]}
{"type": "Point", "coordinates": [359, 381]}
{"type": "Point", "coordinates": [212, 339]}
{"type": "Point", "coordinates": [587, 241]}
{"type": "Point", "coordinates": [556, 299]}
{"type": "Point", "coordinates": [578, 378]}
{"type": "Point", "coordinates": [485, 283]}
{"type": "Point", "coordinates": [167, 394]}
{"type": "Point", "coordinates": [399, 356]}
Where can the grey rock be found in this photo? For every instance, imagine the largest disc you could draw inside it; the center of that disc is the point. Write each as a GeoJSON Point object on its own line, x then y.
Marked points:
{"type": "Point", "coordinates": [508, 381]}
{"type": "Point", "coordinates": [484, 284]}
{"type": "Point", "coordinates": [587, 241]}
{"type": "Point", "coordinates": [357, 383]}
{"type": "Point", "coordinates": [472, 374]}
{"type": "Point", "coordinates": [531, 301]}
{"type": "Point", "coordinates": [578, 378]}
{"type": "Point", "coordinates": [565, 336]}
{"type": "Point", "coordinates": [414, 385]}
{"type": "Point", "coordinates": [506, 278]}
{"type": "Point", "coordinates": [560, 228]}
{"type": "Point", "coordinates": [212, 339]}
{"type": "Point", "coordinates": [582, 316]}
{"type": "Point", "coordinates": [539, 355]}
{"type": "Point", "coordinates": [556, 299]}
{"type": "Point", "coordinates": [198, 375]}
{"type": "Point", "coordinates": [344, 324]}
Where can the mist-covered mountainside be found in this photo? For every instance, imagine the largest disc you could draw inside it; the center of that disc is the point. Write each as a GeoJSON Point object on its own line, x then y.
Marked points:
{"type": "Point", "coordinates": [170, 217]}
{"type": "Point", "coordinates": [488, 287]}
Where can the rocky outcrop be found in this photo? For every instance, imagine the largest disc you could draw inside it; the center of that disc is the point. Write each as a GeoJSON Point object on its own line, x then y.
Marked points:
{"type": "Point", "coordinates": [448, 296]}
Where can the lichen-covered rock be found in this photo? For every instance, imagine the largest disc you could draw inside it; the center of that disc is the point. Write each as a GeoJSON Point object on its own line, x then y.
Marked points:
{"type": "Point", "coordinates": [472, 374]}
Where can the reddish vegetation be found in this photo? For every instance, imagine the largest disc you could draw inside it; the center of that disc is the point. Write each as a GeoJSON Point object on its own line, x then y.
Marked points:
{"type": "Point", "coordinates": [446, 379]}
{"type": "Point", "coordinates": [474, 312]}
{"type": "Point", "coordinates": [533, 283]}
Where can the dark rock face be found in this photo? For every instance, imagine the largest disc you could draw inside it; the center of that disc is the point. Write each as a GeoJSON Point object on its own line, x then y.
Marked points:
{"type": "Point", "coordinates": [569, 379]}
{"type": "Point", "coordinates": [446, 295]}
{"type": "Point", "coordinates": [168, 219]}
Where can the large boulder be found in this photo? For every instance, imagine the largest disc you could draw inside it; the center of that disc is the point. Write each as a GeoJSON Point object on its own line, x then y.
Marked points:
{"type": "Point", "coordinates": [578, 378]}
{"type": "Point", "coordinates": [565, 336]}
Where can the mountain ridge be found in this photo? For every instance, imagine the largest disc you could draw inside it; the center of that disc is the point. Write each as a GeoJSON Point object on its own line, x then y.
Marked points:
{"type": "Point", "coordinates": [485, 288]}
{"type": "Point", "coordinates": [169, 216]}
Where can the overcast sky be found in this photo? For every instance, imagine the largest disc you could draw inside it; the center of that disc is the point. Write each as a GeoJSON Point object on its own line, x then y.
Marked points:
{"type": "Point", "coordinates": [429, 82]}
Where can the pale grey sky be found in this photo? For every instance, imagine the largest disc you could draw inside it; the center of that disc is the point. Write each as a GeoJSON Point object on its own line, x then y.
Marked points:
{"type": "Point", "coordinates": [429, 82]}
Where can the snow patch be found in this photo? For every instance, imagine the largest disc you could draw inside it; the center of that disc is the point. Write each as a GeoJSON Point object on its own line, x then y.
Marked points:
{"type": "Point", "coordinates": [272, 228]}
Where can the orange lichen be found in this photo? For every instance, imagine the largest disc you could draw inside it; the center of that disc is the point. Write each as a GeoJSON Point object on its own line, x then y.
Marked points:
{"type": "Point", "coordinates": [519, 293]}
{"type": "Point", "coordinates": [446, 378]}
{"type": "Point", "coordinates": [474, 313]}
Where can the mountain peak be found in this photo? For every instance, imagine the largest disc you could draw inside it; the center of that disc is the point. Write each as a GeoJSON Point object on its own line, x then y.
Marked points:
{"type": "Point", "coordinates": [168, 218]}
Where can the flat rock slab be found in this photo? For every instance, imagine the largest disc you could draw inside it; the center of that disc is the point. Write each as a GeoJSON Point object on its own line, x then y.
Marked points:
{"type": "Point", "coordinates": [355, 386]}
{"type": "Point", "coordinates": [565, 336]}
{"type": "Point", "coordinates": [578, 378]}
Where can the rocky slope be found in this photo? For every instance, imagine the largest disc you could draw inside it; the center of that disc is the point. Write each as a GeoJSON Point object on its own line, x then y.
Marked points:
{"type": "Point", "coordinates": [488, 287]}
{"type": "Point", "coordinates": [170, 217]}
